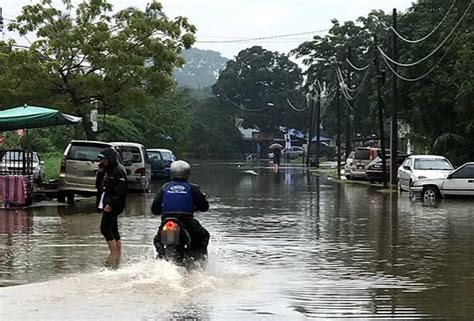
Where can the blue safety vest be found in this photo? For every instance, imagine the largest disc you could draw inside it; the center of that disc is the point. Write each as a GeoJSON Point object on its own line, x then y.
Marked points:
{"type": "Point", "coordinates": [177, 198]}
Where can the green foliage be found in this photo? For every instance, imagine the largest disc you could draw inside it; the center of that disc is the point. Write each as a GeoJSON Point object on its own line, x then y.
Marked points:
{"type": "Point", "coordinates": [213, 132]}
{"type": "Point", "coordinates": [93, 54]}
{"type": "Point", "coordinates": [119, 129]}
{"type": "Point", "coordinates": [258, 77]}
{"type": "Point", "coordinates": [438, 108]}
{"type": "Point", "coordinates": [52, 164]}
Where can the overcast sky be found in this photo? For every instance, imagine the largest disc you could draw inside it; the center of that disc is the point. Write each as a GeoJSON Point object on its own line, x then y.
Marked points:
{"type": "Point", "coordinates": [218, 20]}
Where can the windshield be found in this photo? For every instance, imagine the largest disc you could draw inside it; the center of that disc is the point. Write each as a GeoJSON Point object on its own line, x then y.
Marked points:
{"type": "Point", "coordinates": [86, 152]}
{"type": "Point", "coordinates": [432, 164]}
{"type": "Point", "coordinates": [131, 153]}
{"type": "Point", "coordinates": [154, 155]}
{"type": "Point", "coordinates": [167, 155]}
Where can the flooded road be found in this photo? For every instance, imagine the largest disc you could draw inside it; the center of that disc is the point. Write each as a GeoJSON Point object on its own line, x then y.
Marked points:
{"type": "Point", "coordinates": [283, 246]}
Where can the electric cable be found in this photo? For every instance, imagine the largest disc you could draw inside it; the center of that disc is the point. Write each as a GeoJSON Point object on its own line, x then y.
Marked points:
{"type": "Point", "coordinates": [357, 68]}
{"type": "Point", "coordinates": [429, 34]}
{"type": "Point", "coordinates": [422, 76]}
{"type": "Point", "coordinates": [291, 105]}
{"type": "Point", "coordinates": [434, 51]}
{"type": "Point", "coordinates": [263, 38]}
{"type": "Point", "coordinates": [242, 107]}
{"type": "Point", "coordinates": [345, 89]}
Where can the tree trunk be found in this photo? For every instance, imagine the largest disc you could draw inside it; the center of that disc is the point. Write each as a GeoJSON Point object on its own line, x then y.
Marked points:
{"type": "Point", "coordinates": [87, 126]}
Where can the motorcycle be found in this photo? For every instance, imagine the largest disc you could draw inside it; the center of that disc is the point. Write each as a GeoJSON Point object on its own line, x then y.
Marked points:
{"type": "Point", "coordinates": [173, 242]}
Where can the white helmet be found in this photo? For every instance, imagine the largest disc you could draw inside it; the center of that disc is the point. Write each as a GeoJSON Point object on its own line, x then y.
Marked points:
{"type": "Point", "coordinates": [180, 169]}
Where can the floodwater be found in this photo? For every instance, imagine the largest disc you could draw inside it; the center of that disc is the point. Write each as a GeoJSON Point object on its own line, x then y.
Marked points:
{"type": "Point", "coordinates": [286, 246]}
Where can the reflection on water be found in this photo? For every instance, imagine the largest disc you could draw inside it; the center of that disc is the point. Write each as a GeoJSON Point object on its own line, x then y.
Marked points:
{"type": "Point", "coordinates": [284, 245]}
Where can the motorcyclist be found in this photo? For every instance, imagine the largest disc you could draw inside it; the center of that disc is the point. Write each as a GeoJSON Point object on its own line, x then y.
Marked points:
{"type": "Point", "coordinates": [180, 199]}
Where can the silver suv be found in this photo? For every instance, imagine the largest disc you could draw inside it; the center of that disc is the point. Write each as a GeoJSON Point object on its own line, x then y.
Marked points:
{"type": "Point", "coordinates": [79, 168]}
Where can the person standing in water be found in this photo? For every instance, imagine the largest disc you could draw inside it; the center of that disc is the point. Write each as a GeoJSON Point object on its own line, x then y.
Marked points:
{"type": "Point", "coordinates": [112, 200]}
{"type": "Point", "coordinates": [276, 159]}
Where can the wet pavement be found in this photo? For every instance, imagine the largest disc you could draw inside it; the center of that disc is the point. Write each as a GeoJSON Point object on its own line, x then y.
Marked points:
{"type": "Point", "coordinates": [283, 246]}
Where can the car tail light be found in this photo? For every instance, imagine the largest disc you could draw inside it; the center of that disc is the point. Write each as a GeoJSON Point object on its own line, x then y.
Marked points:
{"type": "Point", "coordinates": [62, 169]}
{"type": "Point", "coordinates": [170, 225]}
{"type": "Point", "coordinates": [140, 171]}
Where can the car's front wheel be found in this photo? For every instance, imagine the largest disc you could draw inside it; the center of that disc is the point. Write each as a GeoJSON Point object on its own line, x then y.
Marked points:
{"type": "Point", "coordinates": [430, 193]}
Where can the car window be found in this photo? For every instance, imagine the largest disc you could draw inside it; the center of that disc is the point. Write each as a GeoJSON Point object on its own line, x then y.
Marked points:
{"type": "Point", "coordinates": [465, 172]}
{"type": "Point", "coordinates": [13, 156]}
{"type": "Point", "coordinates": [86, 152]}
{"type": "Point", "coordinates": [166, 156]}
{"type": "Point", "coordinates": [361, 154]}
{"type": "Point", "coordinates": [155, 156]}
{"type": "Point", "coordinates": [132, 153]}
{"type": "Point", "coordinates": [432, 164]}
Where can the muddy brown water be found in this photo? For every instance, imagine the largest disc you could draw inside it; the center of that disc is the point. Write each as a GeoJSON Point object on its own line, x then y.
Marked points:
{"type": "Point", "coordinates": [284, 246]}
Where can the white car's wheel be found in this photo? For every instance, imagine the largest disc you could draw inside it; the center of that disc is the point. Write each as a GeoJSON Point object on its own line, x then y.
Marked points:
{"type": "Point", "coordinates": [430, 193]}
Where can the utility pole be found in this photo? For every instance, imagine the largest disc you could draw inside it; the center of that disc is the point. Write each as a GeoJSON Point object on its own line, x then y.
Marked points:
{"type": "Point", "coordinates": [318, 128]}
{"type": "Point", "coordinates": [380, 112]}
{"type": "Point", "coordinates": [310, 127]}
{"type": "Point", "coordinates": [338, 139]}
{"type": "Point", "coordinates": [394, 127]}
{"type": "Point", "coordinates": [1, 20]}
{"type": "Point", "coordinates": [348, 116]}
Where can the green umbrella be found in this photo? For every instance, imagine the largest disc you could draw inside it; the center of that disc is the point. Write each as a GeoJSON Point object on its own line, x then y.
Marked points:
{"type": "Point", "coordinates": [33, 117]}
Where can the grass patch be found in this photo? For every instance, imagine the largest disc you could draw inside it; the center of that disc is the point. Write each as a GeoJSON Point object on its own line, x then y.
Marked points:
{"type": "Point", "coordinates": [52, 163]}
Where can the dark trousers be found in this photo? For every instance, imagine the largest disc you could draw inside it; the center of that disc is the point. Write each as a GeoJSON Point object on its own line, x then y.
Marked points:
{"type": "Point", "coordinates": [109, 226]}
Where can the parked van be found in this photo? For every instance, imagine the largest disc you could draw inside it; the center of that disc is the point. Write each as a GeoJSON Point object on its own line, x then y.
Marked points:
{"type": "Point", "coordinates": [137, 165]}
{"type": "Point", "coordinates": [361, 157]}
{"type": "Point", "coordinates": [79, 168]}
{"type": "Point", "coordinates": [160, 161]}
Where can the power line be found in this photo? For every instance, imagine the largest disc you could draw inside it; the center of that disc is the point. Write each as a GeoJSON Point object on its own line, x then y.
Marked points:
{"type": "Point", "coordinates": [434, 51]}
{"type": "Point", "coordinates": [357, 68]}
{"type": "Point", "coordinates": [429, 34]}
{"type": "Point", "coordinates": [422, 76]}
{"type": "Point", "coordinates": [263, 38]}
{"type": "Point", "coordinates": [346, 90]}
{"type": "Point", "coordinates": [291, 105]}
{"type": "Point", "coordinates": [242, 107]}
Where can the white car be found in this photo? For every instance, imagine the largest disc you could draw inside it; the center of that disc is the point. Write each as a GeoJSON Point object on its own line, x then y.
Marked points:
{"type": "Point", "coordinates": [418, 167]}
{"type": "Point", "coordinates": [12, 163]}
{"type": "Point", "coordinates": [293, 152]}
{"type": "Point", "coordinates": [137, 165]}
{"type": "Point", "coordinates": [459, 182]}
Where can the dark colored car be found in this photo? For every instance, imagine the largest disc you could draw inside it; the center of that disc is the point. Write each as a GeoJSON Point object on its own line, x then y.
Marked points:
{"type": "Point", "coordinates": [374, 169]}
{"type": "Point", "coordinates": [325, 151]}
{"type": "Point", "coordinates": [160, 161]}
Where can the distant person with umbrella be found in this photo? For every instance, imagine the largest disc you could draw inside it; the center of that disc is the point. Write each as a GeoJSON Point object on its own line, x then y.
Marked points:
{"type": "Point", "coordinates": [276, 155]}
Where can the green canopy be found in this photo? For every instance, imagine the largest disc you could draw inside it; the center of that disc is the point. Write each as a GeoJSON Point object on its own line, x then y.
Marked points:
{"type": "Point", "coordinates": [33, 117]}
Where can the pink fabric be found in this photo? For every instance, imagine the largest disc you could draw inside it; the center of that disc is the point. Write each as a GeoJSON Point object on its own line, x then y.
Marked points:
{"type": "Point", "coordinates": [15, 190]}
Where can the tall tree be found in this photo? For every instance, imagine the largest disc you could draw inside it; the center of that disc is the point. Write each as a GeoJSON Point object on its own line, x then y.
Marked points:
{"type": "Point", "coordinates": [87, 52]}
{"type": "Point", "coordinates": [258, 79]}
{"type": "Point", "coordinates": [201, 69]}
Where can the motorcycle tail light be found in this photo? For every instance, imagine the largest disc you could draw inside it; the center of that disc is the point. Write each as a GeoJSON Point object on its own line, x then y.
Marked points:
{"type": "Point", "coordinates": [170, 225]}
